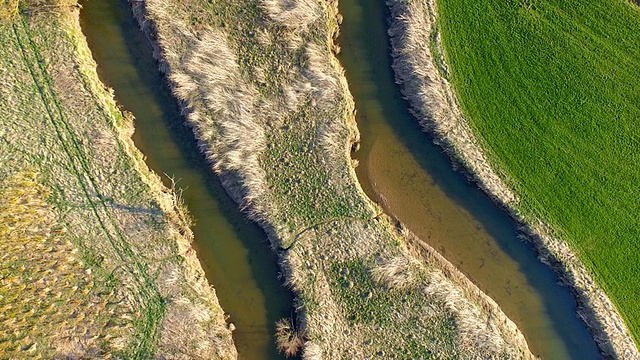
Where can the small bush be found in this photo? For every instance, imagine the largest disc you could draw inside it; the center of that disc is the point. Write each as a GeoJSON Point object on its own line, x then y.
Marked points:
{"type": "Point", "coordinates": [288, 339]}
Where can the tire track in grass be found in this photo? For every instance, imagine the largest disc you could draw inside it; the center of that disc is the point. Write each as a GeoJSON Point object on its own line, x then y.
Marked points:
{"type": "Point", "coordinates": [152, 302]}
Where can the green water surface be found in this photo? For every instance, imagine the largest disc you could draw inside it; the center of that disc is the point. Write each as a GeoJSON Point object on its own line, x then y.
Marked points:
{"type": "Point", "coordinates": [233, 251]}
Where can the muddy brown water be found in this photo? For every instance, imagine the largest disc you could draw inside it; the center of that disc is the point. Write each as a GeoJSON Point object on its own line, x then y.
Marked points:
{"type": "Point", "coordinates": [233, 251]}
{"type": "Point", "coordinates": [414, 181]}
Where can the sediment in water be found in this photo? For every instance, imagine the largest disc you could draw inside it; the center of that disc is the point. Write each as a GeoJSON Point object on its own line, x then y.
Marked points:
{"type": "Point", "coordinates": [421, 74]}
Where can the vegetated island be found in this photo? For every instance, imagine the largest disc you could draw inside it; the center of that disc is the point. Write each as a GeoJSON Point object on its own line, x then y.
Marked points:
{"type": "Point", "coordinates": [95, 256]}
{"type": "Point", "coordinates": [270, 107]}
{"type": "Point", "coordinates": [546, 124]}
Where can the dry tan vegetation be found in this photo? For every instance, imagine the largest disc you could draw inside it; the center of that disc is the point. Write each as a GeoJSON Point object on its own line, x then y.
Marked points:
{"type": "Point", "coordinates": [288, 339]}
{"type": "Point", "coordinates": [421, 71]}
{"type": "Point", "coordinates": [50, 302]}
{"type": "Point", "coordinates": [212, 66]}
{"type": "Point", "coordinates": [8, 10]}
{"type": "Point", "coordinates": [96, 256]}
{"type": "Point", "coordinates": [399, 273]}
{"type": "Point", "coordinates": [295, 15]}
{"type": "Point", "coordinates": [270, 107]}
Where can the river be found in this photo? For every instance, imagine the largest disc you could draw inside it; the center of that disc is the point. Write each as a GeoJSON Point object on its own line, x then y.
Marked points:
{"type": "Point", "coordinates": [233, 251]}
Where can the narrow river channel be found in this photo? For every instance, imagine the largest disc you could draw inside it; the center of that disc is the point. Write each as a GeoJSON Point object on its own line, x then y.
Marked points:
{"type": "Point", "coordinates": [414, 181]}
{"type": "Point", "coordinates": [233, 251]}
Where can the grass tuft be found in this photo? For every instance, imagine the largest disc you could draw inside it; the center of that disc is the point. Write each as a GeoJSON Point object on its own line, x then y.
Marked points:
{"type": "Point", "coordinates": [400, 272]}
{"type": "Point", "coordinates": [288, 340]}
{"type": "Point", "coordinates": [9, 9]}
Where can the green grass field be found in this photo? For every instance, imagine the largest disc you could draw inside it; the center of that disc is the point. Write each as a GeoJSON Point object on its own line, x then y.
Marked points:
{"type": "Point", "coordinates": [553, 90]}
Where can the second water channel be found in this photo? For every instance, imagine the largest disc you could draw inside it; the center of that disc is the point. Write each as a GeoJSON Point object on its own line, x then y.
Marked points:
{"type": "Point", "coordinates": [414, 181]}
{"type": "Point", "coordinates": [400, 168]}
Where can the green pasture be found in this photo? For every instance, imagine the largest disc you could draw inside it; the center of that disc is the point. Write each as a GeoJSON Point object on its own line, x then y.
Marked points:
{"type": "Point", "coordinates": [552, 89]}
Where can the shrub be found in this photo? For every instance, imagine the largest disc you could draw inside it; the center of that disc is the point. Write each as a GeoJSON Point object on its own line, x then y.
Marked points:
{"type": "Point", "coordinates": [288, 339]}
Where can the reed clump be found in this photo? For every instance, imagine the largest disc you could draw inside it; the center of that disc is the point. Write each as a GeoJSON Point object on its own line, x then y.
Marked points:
{"type": "Point", "coordinates": [288, 339]}
{"type": "Point", "coordinates": [400, 272]}
{"type": "Point", "coordinates": [295, 15]}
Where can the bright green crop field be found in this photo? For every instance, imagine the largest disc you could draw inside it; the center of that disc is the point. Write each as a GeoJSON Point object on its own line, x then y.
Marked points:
{"type": "Point", "coordinates": [552, 89]}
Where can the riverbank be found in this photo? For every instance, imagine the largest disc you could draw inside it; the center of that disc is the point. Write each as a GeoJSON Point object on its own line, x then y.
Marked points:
{"type": "Point", "coordinates": [96, 252]}
{"type": "Point", "coordinates": [423, 74]}
{"type": "Point", "coordinates": [233, 251]}
{"type": "Point", "coordinates": [271, 109]}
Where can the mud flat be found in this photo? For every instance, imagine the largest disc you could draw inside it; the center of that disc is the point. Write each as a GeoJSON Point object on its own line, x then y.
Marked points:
{"type": "Point", "coordinates": [270, 107]}
{"type": "Point", "coordinates": [96, 253]}
{"type": "Point", "coordinates": [421, 70]}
